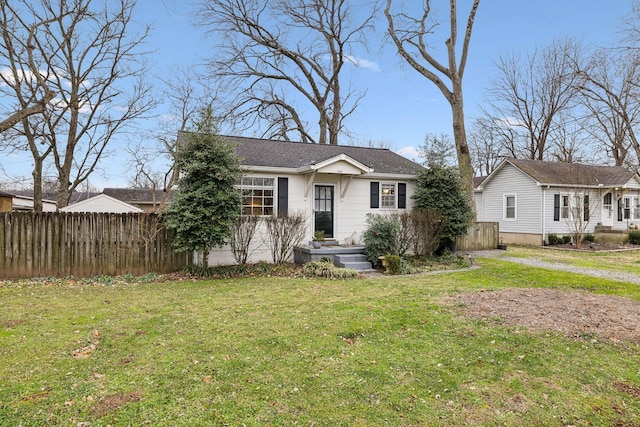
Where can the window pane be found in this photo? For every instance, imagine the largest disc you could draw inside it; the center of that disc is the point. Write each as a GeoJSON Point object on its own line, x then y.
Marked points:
{"type": "Point", "coordinates": [388, 195]}
{"type": "Point", "coordinates": [510, 207]}
{"type": "Point", "coordinates": [257, 193]}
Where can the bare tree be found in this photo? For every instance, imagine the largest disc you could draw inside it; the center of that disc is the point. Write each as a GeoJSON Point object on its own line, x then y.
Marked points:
{"type": "Point", "coordinates": [280, 57]}
{"type": "Point", "coordinates": [409, 34]}
{"type": "Point", "coordinates": [529, 93]}
{"type": "Point", "coordinates": [29, 104]}
{"type": "Point", "coordinates": [582, 205]}
{"type": "Point", "coordinates": [242, 234]}
{"type": "Point", "coordinates": [610, 93]}
{"type": "Point", "coordinates": [570, 142]}
{"type": "Point", "coordinates": [92, 59]}
{"type": "Point", "coordinates": [486, 147]}
{"type": "Point", "coordinates": [153, 165]}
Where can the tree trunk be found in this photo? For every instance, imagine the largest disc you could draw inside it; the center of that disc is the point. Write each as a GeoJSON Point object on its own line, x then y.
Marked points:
{"type": "Point", "coordinates": [460, 138]}
{"type": "Point", "coordinates": [37, 185]}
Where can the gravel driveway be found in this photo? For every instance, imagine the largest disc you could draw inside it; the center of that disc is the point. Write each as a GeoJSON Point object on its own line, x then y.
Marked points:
{"type": "Point", "coordinates": [612, 275]}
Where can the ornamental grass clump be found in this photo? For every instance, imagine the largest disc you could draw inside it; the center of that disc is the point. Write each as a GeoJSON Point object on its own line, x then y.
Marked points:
{"type": "Point", "coordinates": [328, 270]}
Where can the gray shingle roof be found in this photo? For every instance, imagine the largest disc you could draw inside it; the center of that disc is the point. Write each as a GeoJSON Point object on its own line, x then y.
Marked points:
{"type": "Point", "coordinates": [573, 173]}
{"type": "Point", "coordinates": [285, 154]}
{"type": "Point", "coordinates": [135, 195]}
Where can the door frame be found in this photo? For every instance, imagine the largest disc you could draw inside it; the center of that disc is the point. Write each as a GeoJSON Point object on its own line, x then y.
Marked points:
{"type": "Point", "coordinates": [333, 207]}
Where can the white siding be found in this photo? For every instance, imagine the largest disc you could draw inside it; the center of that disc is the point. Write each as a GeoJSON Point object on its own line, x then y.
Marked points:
{"type": "Point", "coordinates": [569, 226]}
{"type": "Point", "coordinates": [350, 211]}
{"type": "Point", "coordinates": [507, 181]}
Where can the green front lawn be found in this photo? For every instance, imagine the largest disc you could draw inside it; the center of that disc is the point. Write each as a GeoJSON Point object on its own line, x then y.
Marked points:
{"type": "Point", "coordinates": [311, 352]}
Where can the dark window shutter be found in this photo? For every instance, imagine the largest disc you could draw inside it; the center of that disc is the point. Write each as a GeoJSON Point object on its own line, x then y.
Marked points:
{"type": "Point", "coordinates": [402, 196]}
{"type": "Point", "coordinates": [556, 207]}
{"type": "Point", "coordinates": [283, 196]}
{"type": "Point", "coordinates": [586, 207]}
{"type": "Point", "coordinates": [375, 195]}
{"type": "Point", "coordinates": [619, 209]}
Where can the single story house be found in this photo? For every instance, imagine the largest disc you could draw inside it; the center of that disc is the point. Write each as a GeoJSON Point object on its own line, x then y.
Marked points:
{"type": "Point", "coordinates": [532, 199]}
{"type": "Point", "coordinates": [102, 203]}
{"type": "Point", "coordinates": [13, 202]}
{"type": "Point", "coordinates": [334, 186]}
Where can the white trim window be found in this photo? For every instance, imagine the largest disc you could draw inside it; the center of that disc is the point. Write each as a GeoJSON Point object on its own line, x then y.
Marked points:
{"type": "Point", "coordinates": [387, 195]}
{"type": "Point", "coordinates": [565, 206]}
{"type": "Point", "coordinates": [626, 208]}
{"type": "Point", "coordinates": [258, 196]}
{"type": "Point", "coordinates": [509, 203]}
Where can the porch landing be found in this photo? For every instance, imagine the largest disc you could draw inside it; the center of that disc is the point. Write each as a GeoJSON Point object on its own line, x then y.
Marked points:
{"type": "Point", "coordinates": [341, 256]}
{"type": "Point", "coordinates": [607, 234]}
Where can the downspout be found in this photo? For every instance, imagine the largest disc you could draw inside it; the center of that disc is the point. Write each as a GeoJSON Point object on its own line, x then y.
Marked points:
{"type": "Point", "coordinates": [544, 210]}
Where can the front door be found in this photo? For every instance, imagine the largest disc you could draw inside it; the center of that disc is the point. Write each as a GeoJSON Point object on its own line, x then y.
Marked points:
{"type": "Point", "coordinates": [323, 209]}
{"type": "Point", "coordinates": [608, 209]}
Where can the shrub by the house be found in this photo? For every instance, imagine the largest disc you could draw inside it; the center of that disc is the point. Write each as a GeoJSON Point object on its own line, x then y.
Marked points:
{"type": "Point", "coordinates": [381, 237]}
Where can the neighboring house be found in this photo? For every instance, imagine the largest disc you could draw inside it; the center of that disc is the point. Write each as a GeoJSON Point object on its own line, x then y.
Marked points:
{"type": "Point", "coordinates": [12, 202]}
{"type": "Point", "coordinates": [102, 203]}
{"type": "Point", "coordinates": [145, 199]}
{"type": "Point", "coordinates": [531, 199]}
{"type": "Point", "coordinates": [334, 186]}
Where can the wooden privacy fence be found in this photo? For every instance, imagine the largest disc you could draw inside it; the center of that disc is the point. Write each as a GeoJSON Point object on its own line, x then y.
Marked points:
{"type": "Point", "coordinates": [85, 244]}
{"type": "Point", "coordinates": [481, 236]}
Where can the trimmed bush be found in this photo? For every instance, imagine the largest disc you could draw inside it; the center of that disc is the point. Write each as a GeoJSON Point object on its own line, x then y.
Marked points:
{"type": "Point", "coordinates": [588, 238]}
{"type": "Point", "coordinates": [566, 239]}
{"type": "Point", "coordinates": [553, 239]}
{"type": "Point", "coordinates": [381, 237]}
{"type": "Point", "coordinates": [634, 237]}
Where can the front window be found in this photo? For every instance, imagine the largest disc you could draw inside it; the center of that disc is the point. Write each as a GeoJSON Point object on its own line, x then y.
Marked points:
{"type": "Point", "coordinates": [565, 207]}
{"type": "Point", "coordinates": [510, 207]}
{"type": "Point", "coordinates": [388, 196]}
{"type": "Point", "coordinates": [257, 196]}
{"type": "Point", "coordinates": [627, 208]}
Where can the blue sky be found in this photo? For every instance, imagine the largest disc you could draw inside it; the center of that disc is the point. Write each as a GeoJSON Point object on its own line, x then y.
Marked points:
{"type": "Point", "coordinates": [400, 106]}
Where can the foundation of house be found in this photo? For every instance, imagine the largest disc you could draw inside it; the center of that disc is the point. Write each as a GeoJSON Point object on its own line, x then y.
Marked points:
{"type": "Point", "coordinates": [520, 238]}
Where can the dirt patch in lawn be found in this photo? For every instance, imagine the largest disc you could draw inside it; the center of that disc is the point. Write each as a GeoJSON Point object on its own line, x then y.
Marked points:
{"type": "Point", "coordinates": [113, 402]}
{"type": "Point", "coordinates": [574, 313]}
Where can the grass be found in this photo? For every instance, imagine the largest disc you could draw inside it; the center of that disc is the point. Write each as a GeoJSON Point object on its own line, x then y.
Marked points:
{"type": "Point", "coordinates": [625, 261]}
{"type": "Point", "coordinates": [295, 351]}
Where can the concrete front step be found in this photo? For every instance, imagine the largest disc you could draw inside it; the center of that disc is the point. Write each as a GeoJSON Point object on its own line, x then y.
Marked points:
{"type": "Point", "coordinates": [358, 266]}
{"type": "Point", "coordinates": [357, 262]}
{"type": "Point", "coordinates": [341, 256]}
